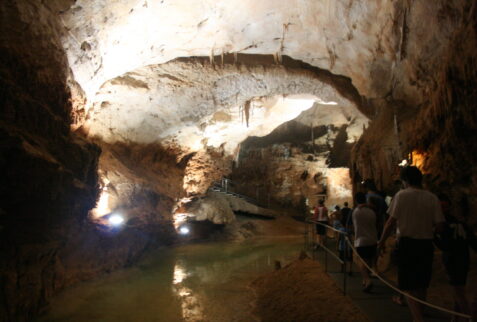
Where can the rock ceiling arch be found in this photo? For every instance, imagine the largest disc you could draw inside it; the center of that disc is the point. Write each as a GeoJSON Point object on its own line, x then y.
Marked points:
{"type": "Point", "coordinates": [194, 104]}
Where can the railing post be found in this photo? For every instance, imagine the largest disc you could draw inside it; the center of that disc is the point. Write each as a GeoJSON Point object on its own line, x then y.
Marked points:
{"type": "Point", "coordinates": [344, 279]}
{"type": "Point", "coordinates": [313, 238]}
{"type": "Point", "coordinates": [326, 261]}
{"type": "Point", "coordinates": [345, 274]}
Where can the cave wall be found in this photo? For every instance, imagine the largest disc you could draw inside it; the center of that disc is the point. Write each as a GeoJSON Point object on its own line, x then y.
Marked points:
{"type": "Point", "coordinates": [286, 167]}
{"type": "Point", "coordinates": [49, 174]}
{"type": "Point", "coordinates": [441, 132]}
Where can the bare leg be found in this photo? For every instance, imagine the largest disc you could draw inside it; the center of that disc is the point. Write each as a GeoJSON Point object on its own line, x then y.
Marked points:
{"type": "Point", "coordinates": [460, 301]}
{"type": "Point", "coordinates": [415, 307]}
{"type": "Point", "coordinates": [365, 272]}
{"type": "Point", "coordinates": [375, 264]}
{"type": "Point", "coordinates": [474, 308]}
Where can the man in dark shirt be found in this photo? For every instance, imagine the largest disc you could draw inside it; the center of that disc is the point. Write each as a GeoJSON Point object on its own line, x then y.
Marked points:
{"type": "Point", "coordinates": [345, 214]}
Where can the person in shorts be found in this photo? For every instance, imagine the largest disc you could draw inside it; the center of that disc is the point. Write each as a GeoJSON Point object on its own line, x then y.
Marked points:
{"type": "Point", "coordinates": [417, 214]}
{"type": "Point", "coordinates": [320, 214]}
{"type": "Point", "coordinates": [365, 237]}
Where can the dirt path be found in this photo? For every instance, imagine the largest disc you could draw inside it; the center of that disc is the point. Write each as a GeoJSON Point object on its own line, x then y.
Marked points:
{"type": "Point", "coordinates": [302, 291]}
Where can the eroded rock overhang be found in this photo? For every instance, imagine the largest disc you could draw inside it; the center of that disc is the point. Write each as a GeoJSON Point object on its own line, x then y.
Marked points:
{"type": "Point", "coordinates": [195, 104]}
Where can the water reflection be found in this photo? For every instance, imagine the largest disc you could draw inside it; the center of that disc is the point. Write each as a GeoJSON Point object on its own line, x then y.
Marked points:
{"type": "Point", "coordinates": [190, 304]}
{"type": "Point", "coordinates": [179, 274]}
{"type": "Point", "coordinates": [202, 282]}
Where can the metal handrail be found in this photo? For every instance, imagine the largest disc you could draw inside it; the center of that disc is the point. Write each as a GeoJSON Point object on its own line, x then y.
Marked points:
{"type": "Point", "coordinates": [329, 251]}
{"type": "Point", "coordinates": [219, 185]}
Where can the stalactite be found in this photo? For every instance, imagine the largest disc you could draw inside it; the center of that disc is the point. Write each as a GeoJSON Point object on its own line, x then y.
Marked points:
{"type": "Point", "coordinates": [211, 57]}
{"type": "Point", "coordinates": [246, 110]}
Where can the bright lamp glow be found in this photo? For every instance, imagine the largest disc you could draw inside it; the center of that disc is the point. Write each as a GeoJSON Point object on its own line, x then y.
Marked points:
{"type": "Point", "coordinates": [319, 101]}
{"type": "Point", "coordinates": [403, 163]}
{"type": "Point", "coordinates": [184, 230]}
{"type": "Point", "coordinates": [116, 220]}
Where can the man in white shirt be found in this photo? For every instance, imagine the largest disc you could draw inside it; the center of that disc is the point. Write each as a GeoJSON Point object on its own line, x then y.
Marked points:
{"type": "Point", "coordinates": [416, 212]}
{"type": "Point", "coordinates": [365, 232]}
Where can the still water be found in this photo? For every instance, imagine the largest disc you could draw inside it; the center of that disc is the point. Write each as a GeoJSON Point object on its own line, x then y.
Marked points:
{"type": "Point", "coordinates": [199, 282]}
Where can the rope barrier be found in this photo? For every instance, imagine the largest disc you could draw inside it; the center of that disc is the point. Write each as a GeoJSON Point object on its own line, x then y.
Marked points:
{"type": "Point", "coordinates": [402, 292]}
{"type": "Point", "coordinates": [327, 226]}
{"type": "Point", "coordinates": [439, 308]}
{"type": "Point", "coordinates": [323, 246]}
{"type": "Point", "coordinates": [332, 254]}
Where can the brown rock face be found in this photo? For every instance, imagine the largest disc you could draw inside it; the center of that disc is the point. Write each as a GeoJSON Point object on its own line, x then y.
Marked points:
{"type": "Point", "coordinates": [49, 175]}
{"type": "Point", "coordinates": [439, 135]}
{"type": "Point", "coordinates": [286, 167]}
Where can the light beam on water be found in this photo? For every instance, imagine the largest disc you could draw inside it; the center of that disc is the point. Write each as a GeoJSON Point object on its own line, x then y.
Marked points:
{"type": "Point", "coordinates": [200, 282]}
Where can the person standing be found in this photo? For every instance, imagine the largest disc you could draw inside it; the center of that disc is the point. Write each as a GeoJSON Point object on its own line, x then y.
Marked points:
{"type": "Point", "coordinates": [335, 216]}
{"type": "Point", "coordinates": [417, 213]}
{"type": "Point", "coordinates": [343, 249]}
{"type": "Point", "coordinates": [455, 241]}
{"type": "Point", "coordinates": [345, 215]}
{"type": "Point", "coordinates": [374, 199]}
{"type": "Point", "coordinates": [321, 216]}
{"type": "Point", "coordinates": [365, 237]}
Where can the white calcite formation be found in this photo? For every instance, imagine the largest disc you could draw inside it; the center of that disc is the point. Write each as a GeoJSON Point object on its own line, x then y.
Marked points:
{"type": "Point", "coordinates": [219, 208]}
{"type": "Point", "coordinates": [383, 46]}
{"type": "Point", "coordinates": [196, 105]}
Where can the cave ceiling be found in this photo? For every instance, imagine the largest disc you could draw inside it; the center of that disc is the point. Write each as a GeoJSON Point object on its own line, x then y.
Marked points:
{"type": "Point", "coordinates": [380, 45]}
{"type": "Point", "coordinates": [174, 72]}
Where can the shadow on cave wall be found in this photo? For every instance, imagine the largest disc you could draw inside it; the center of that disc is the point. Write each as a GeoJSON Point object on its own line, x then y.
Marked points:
{"type": "Point", "coordinates": [292, 132]}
